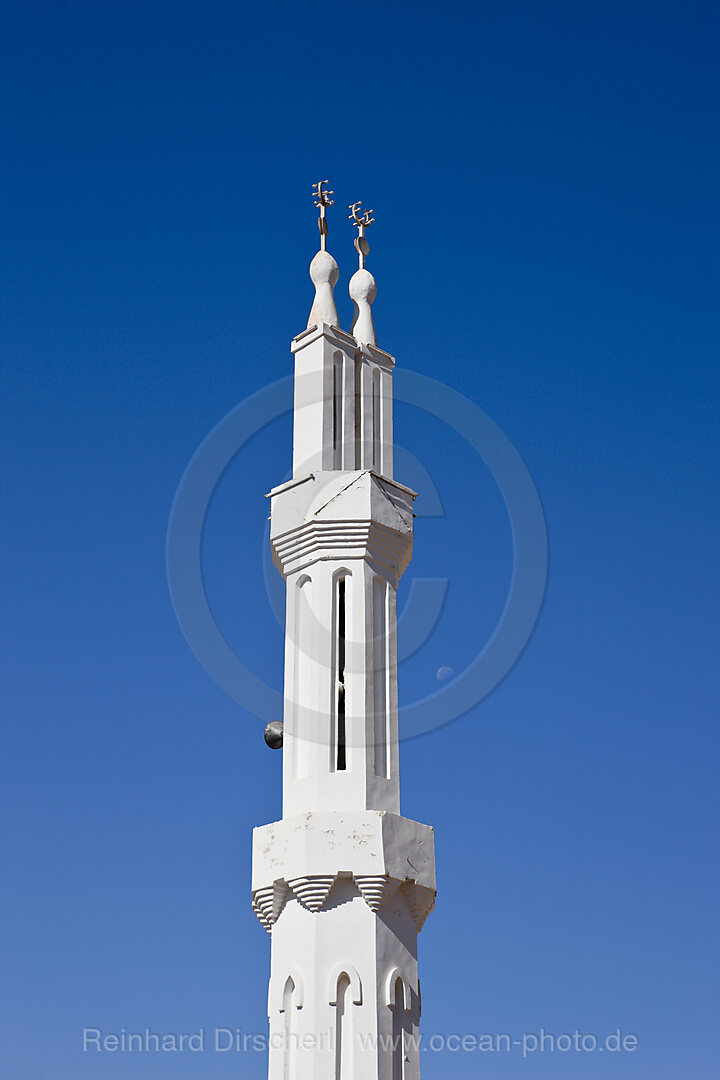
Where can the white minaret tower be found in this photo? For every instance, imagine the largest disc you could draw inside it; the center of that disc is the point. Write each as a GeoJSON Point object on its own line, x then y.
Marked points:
{"type": "Point", "coordinates": [343, 882]}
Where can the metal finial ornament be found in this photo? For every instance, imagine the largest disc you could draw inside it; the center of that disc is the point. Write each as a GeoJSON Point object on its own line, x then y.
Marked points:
{"type": "Point", "coordinates": [361, 223]}
{"type": "Point", "coordinates": [322, 200]}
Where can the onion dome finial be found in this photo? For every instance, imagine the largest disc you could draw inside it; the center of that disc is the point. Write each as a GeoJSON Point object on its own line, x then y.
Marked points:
{"type": "Point", "coordinates": [324, 271]}
{"type": "Point", "coordinates": [363, 288]}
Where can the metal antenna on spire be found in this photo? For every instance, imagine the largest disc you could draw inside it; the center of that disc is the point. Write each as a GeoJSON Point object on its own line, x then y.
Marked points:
{"type": "Point", "coordinates": [322, 200]}
{"type": "Point", "coordinates": [361, 223]}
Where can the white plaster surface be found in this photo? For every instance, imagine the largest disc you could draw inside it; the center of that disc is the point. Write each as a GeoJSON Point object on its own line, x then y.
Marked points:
{"type": "Point", "coordinates": [329, 843]}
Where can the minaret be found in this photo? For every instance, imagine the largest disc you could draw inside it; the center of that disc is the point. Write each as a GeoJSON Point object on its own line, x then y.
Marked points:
{"type": "Point", "coordinates": [342, 882]}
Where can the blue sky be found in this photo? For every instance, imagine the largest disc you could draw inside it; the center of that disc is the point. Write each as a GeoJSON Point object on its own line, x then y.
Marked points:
{"type": "Point", "coordinates": [544, 179]}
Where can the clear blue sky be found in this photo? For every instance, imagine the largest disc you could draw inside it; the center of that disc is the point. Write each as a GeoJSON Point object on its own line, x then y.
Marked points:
{"type": "Point", "coordinates": [545, 180]}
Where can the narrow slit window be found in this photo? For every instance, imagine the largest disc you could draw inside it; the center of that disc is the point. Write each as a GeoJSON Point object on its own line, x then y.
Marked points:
{"type": "Point", "coordinates": [304, 650]}
{"type": "Point", "coordinates": [380, 677]}
{"type": "Point", "coordinates": [398, 1041]}
{"type": "Point", "coordinates": [343, 1037]}
{"type": "Point", "coordinates": [288, 1018]}
{"type": "Point", "coordinates": [337, 416]}
{"type": "Point", "coordinates": [376, 429]}
{"type": "Point", "coordinates": [341, 754]}
{"type": "Point", "coordinates": [358, 413]}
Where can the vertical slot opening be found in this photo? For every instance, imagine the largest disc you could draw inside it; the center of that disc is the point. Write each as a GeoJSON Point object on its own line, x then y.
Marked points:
{"type": "Point", "coordinates": [398, 1043]}
{"type": "Point", "coordinates": [303, 646]}
{"type": "Point", "coordinates": [288, 994]}
{"type": "Point", "coordinates": [380, 677]}
{"type": "Point", "coordinates": [358, 413]}
{"type": "Point", "coordinates": [341, 754]}
{"type": "Point", "coordinates": [343, 1041]}
{"type": "Point", "coordinates": [337, 412]}
{"type": "Point", "coordinates": [376, 429]}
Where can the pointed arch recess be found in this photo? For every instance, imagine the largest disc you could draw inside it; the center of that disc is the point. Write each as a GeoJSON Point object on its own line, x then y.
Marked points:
{"type": "Point", "coordinates": [392, 976]}
{"type": "Point", "coordinates": [355, 983]}
{"type": "Point", "coordinates": [293, 973]}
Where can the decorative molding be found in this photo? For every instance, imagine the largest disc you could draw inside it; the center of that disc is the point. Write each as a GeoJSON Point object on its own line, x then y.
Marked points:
{"type": "Point", "coordinates": [280, 895]}
{"type": "Point", "coordinates": [331, 333]}
{"type": "Point", "coordinates": [312, 892]}
{"type": "Point", "coordinates": [384, 359]}
{"type": "Point", "coordinates": [376, 891]}
{"type": "Point", "coordinates": [262, 906]}
{"type": "Point", "coordinates": [268, 903]}
{"type": "Point", "coordinates": [367, 539]}
{"type": "Point", "coordinates": [420, 902]}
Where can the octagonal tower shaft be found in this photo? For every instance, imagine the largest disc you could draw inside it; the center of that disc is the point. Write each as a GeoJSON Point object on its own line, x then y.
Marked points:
{"type": "Point", "coordinates": [341, 536]}
{"type": "Point", "coordinates": [343, 882]}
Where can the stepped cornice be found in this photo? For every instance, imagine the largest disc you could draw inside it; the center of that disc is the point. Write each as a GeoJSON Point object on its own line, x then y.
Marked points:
{"type": "Point", "coordinates": [356, 515]}
{"type": "Point", "coordinates": [317, 540]}
{"type": "Point", "coordinates": [315, 893]}
{"type": "Point", "coordinates": [303, 857]}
